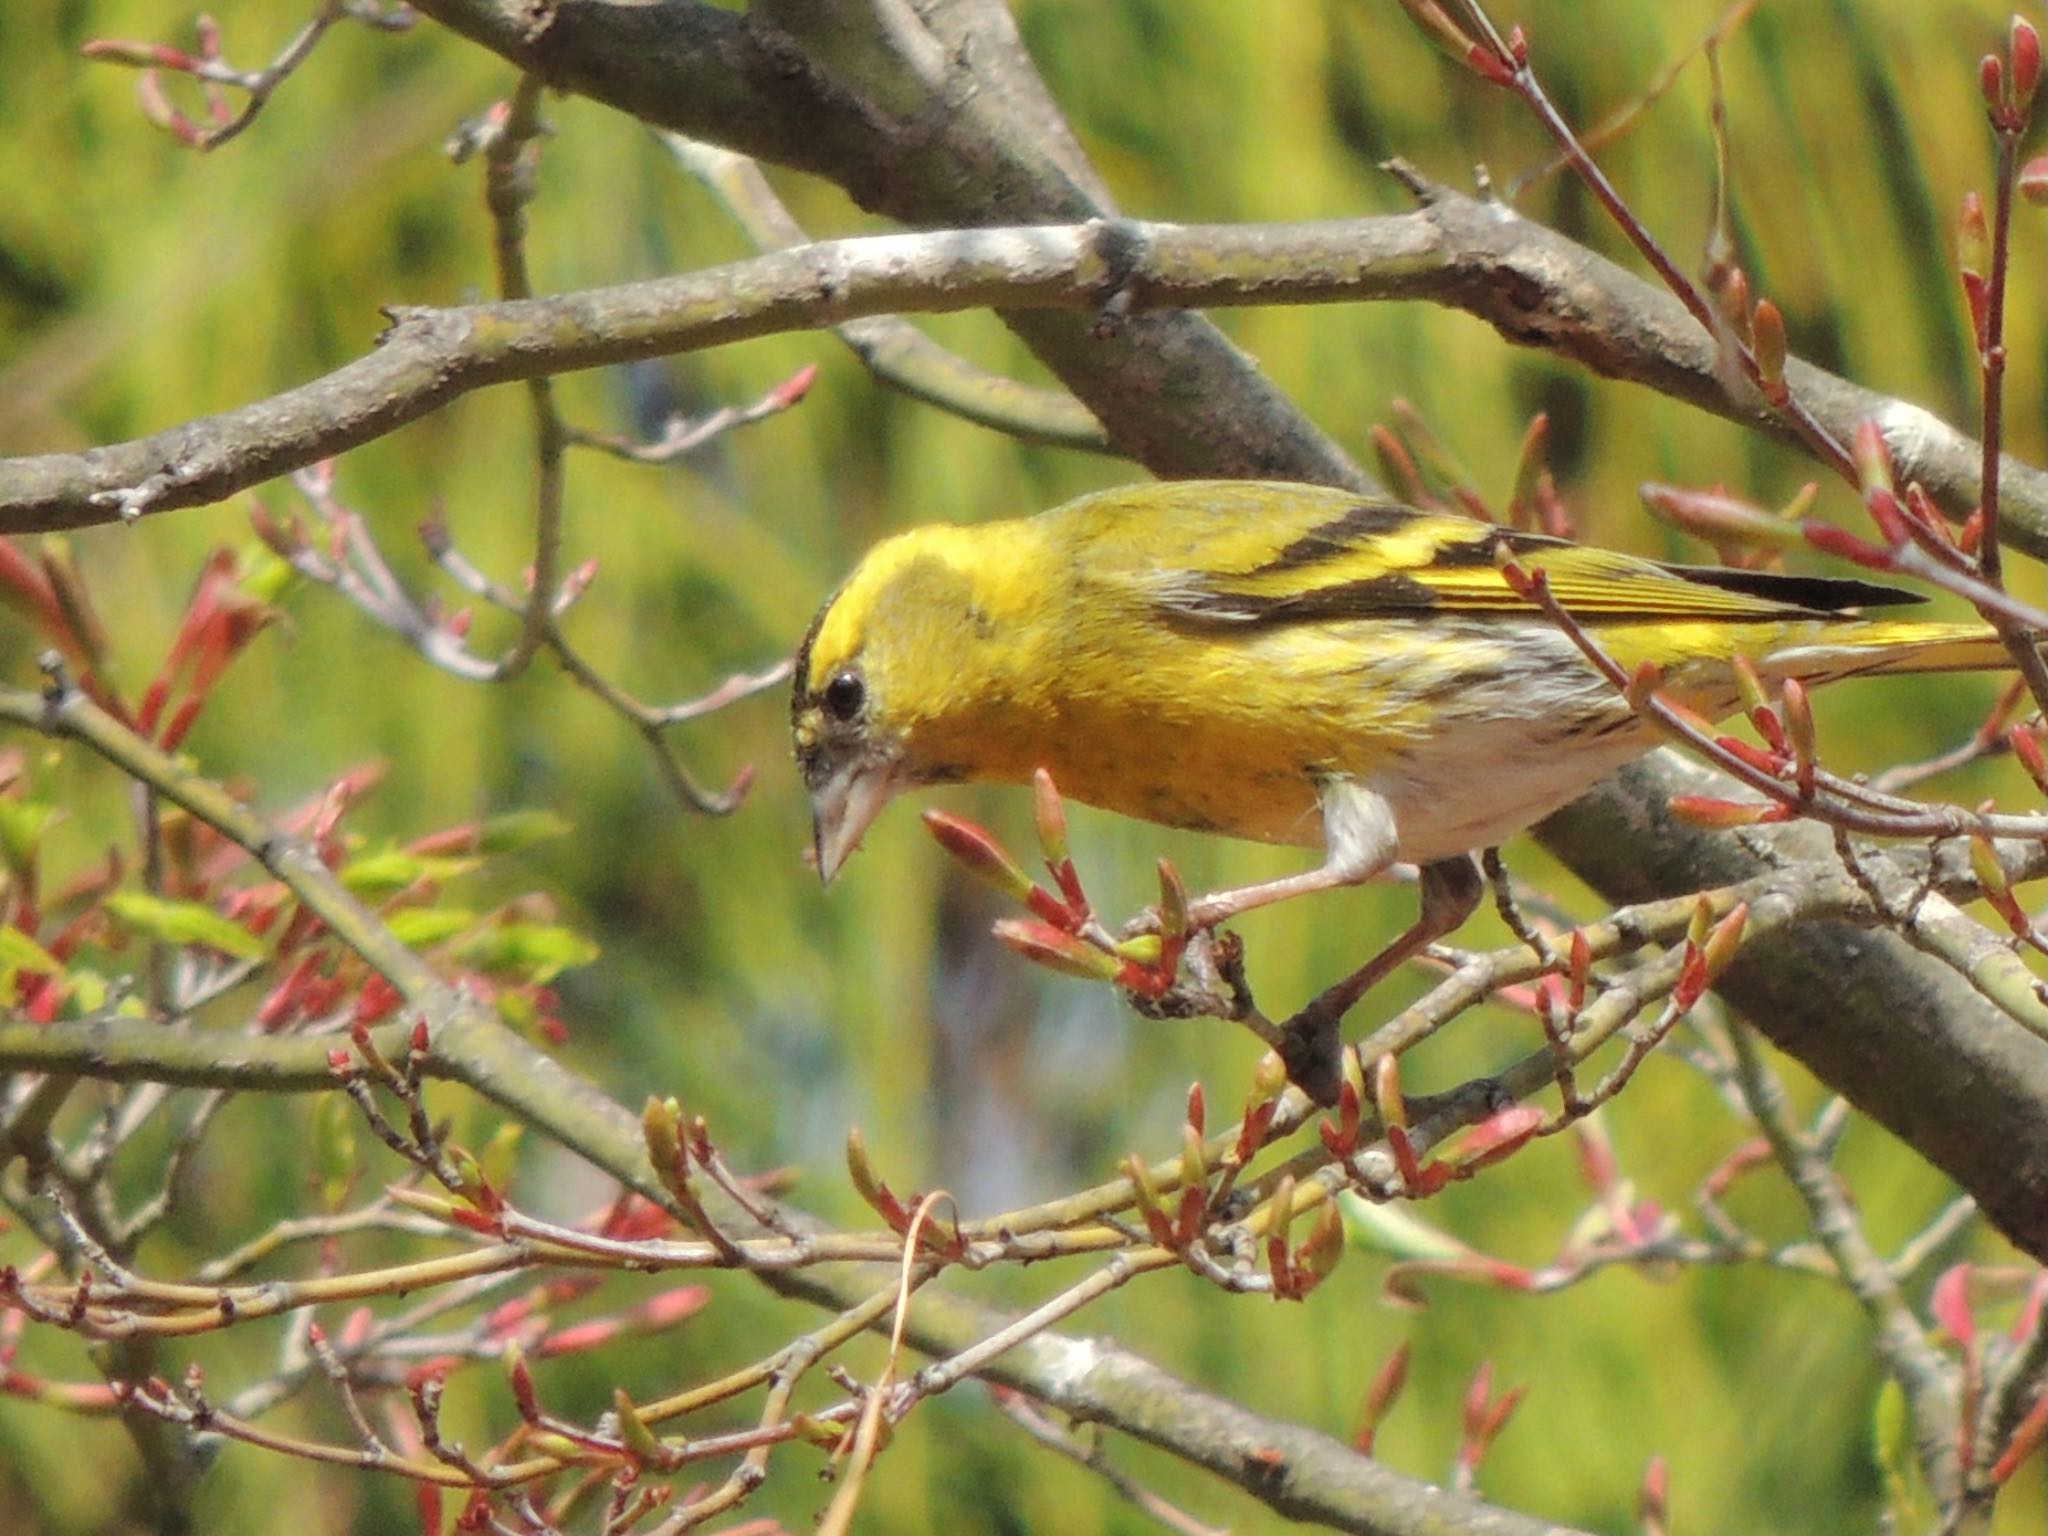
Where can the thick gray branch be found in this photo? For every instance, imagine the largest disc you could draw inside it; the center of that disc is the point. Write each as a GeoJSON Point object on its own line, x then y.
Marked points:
{"type": "Point", "coordinates": [972, 138]}
{"type": "Point", "coordinates": [1530, 283]}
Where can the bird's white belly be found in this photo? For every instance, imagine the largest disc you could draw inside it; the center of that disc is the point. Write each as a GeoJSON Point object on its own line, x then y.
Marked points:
{"type": "Point", "coordinates": [1495, 781]}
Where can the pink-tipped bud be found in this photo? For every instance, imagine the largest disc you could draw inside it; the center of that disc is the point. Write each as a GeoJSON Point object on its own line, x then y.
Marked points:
{"type": "Point", "coordinates": [1719, 518]}
{"type": "Point", "coordinates": [1987, 866]}
{"type": "Point", "coordinates": [1499, 1135]}
{"type": "Point", "coordinates": [1489, 66]}
{"type": "Point", "coordinates": [1269, 1079]}
{"type": "Point", "coordinates": [1580, 969]}
{"type": "Point", "coordinates": [1277, 1261]}
{"type": "Point", "coordinates": [1755, 757]}
{"type": "Point", "coordinates": [1045, 945]}
{"type": "Point", "coordinates": [2033, 181]}
{"type": "Point", "coordinates": [1316, 1258]}
{"type": "Point", "coordinates": [112, 50]}
{"type": "Point", "coordinates": [1049, 812]}
{"type": "Point", "coordinates": [1405, 1161]}
{"type": "Point", "coordinates": [1173, 904]}
{"type": "Point", "coordinates": [1724, 940]}
{"type": "Point", "coordinates": [1872, 456]}
{"type": "Point", "coordinates": [1692, 979]}
{"type": "Point", "coordinates": [2026, 746]}
{"type": "Point", "coordinates": [157, 108]}
{"type": "Point", "coordinates": [1502, 1410]}
{"type": "Point", "coordinates": [795, 387]}
{"type": "Point", "coordinates": [2024, 49]}
{"type": "Point", "coordinates": [979, 854]}
{"type": "Point", "coordinates": [1732, 294]}
{"type": "Point", "coordinates": [1194, 1163]}
{"type": "Point", "coordinates": [1477, 1396]}
{"type": "Point", "coordinates": [1950, 1303]}
{"type": "Point", "coordinates": [1797, 712]}
{"type": "Point", "coordinates": [1770, 348]}
{"type": "Point", "coordinates": [1991, 81]}
{"type": "Point", "coordinates": [1386, 1387]}
{"type": "Point", "coordinates": [1830, 540]}
{"type": "Point", "coordinates": [1973, 261]}
{"type": "Point", "coordinates": [879, 1197]}
{"type": "Point", "coordinates": [1921, 508]}
{"type": "Point", "coordinates": [1653, 1500]}
{"type": "Point", "coordinates": [1387, 1097]}
{"type": "Point", "coordinates": [1598, 1165]}
{"type": "Point", "coordinates": [2027, 1438]}
{"type": "Point", "coordinates": [1145, 1195]}
{"type": "Point", "coordinates": [1718, 815]}
{"type": "Point", "coordinates": [1398, 468]}
{"type": "Point", "coordinates": [1750, 683]}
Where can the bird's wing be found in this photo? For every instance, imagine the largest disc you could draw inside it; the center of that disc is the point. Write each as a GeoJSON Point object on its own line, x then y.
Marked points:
{"type": "Point", "coordinates": [1369, 559]}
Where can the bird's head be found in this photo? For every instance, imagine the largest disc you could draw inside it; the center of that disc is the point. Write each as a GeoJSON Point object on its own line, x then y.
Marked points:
{"type": "Point", "coordinates": [908, 677]}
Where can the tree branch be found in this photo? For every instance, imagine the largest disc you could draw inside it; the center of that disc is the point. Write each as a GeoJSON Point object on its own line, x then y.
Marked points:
{"type": "Point", "coordinates": [1532, 285]}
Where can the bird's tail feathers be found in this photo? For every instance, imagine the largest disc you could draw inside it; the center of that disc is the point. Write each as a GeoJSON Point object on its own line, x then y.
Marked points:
{"type": "Point", "coordinates": [1888, 647]}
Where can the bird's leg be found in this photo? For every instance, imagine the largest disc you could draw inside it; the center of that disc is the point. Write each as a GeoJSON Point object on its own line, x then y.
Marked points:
{"type": "Point", "coordinates": [1451, 890]}
{"type": "Point", "coordinates": [1219, 907]}
{"type": "Point", "coordinates": [1358, 839]}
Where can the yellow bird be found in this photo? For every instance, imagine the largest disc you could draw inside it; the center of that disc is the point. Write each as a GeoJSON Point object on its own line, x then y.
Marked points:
{"type": "Point", "coordinates": [1291, 664]}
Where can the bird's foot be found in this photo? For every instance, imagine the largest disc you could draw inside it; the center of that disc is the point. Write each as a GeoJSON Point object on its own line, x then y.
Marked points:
{"type": "Point", "coordinates": [1311, 1045]}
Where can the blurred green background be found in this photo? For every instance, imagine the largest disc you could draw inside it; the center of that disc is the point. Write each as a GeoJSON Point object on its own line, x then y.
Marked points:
{"type": "Point", "coordinates": [141, 284]}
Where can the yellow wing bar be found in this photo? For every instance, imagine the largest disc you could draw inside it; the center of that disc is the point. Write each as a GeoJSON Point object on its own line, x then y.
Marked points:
{"type": "Point", "coordinates": [1382, 560]}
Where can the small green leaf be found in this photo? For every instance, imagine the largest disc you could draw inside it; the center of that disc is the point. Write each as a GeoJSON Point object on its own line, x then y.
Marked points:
{"type": "Point", "coordinates": [536, 951]}
{"type": "Point", "coordinates": [22, 823]}
{"type": "Point", "coordinates": [517, 1009]}
{"type": "Point", "coordinates": [420, 927]}
{"type": "Point", "coordinates": [393, 869]}
{"type": "Point", "coordinates": [265, 577]}
{"type": "Point", "coordinates": [183, 922]}
{"type": "Point", "coordinates": [89, 991]}
{"type": "Point", "coordinates": [1391, 1230]}
{"type": "Point", "coordinates": [520, 829]}
{"type": "Point", "coordinates": [500, 1155]}
{"type": "Point", "coordinates": [20, 952]}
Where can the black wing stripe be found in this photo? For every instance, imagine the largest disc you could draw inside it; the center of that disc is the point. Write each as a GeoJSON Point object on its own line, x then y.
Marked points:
{"type": "Point", "coordinates": [1466, 554]}
{"type": "Point", "coordinates": [1378, 597]}
{"type": "Point", "coordinates": [1341, 535]}
{"type": "Point", "coordinates": [1826, 594]}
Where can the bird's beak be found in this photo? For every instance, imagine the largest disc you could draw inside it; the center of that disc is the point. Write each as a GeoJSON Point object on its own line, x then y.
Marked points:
{"type": "Point", "coordinates": [845, 804]}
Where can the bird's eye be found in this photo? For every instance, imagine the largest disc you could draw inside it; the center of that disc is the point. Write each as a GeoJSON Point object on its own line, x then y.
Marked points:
{"type": "Point", "coordinates": [845, 695]}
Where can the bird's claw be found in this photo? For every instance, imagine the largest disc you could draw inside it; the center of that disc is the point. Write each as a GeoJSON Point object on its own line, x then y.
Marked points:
{"type": "Point", "coordinates": [1312, 1047]}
